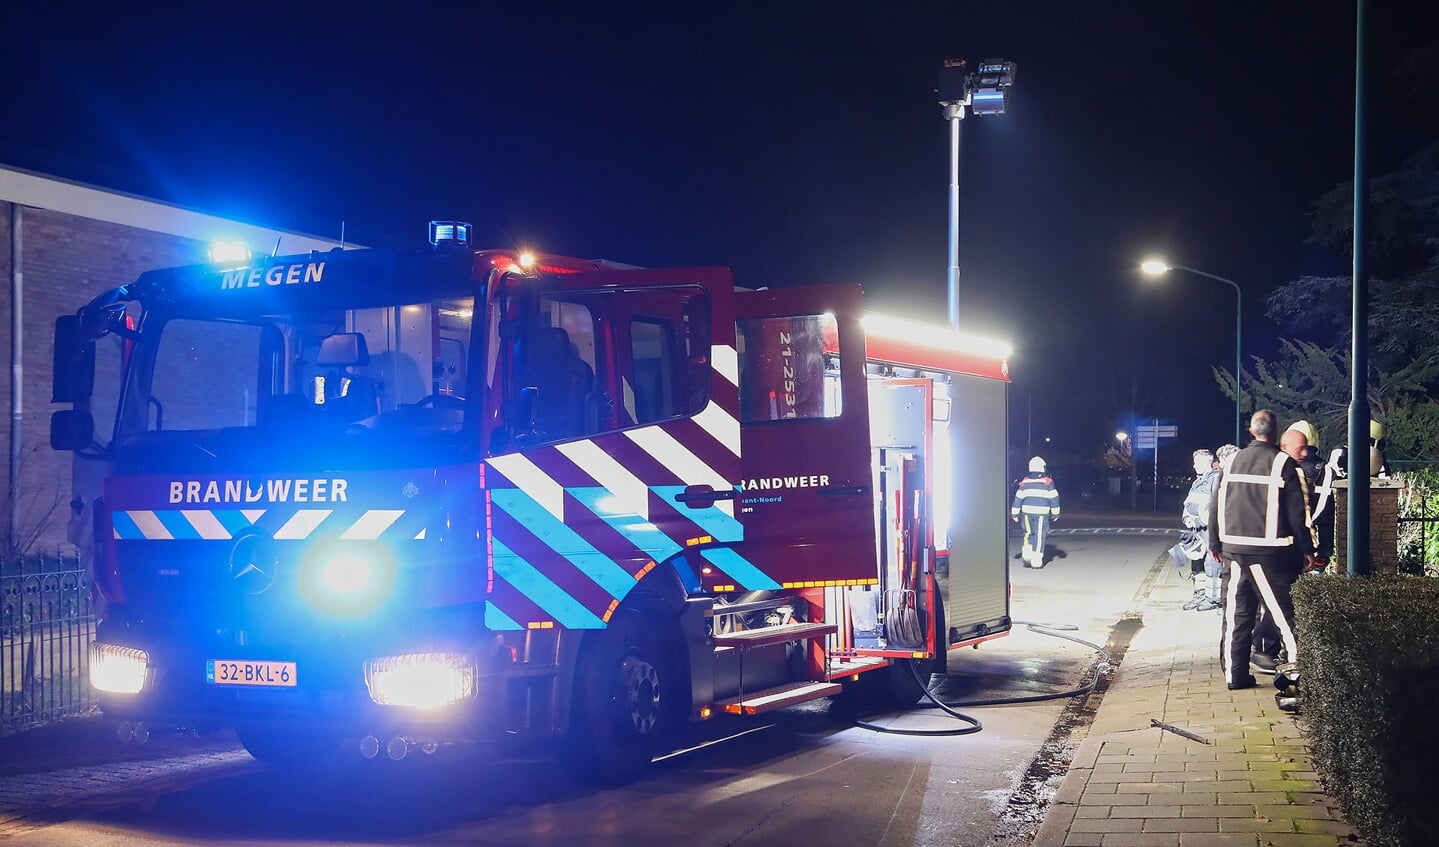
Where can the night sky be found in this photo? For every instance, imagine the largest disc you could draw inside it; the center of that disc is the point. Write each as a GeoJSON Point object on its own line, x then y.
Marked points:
{"type": "Point", "coordinates": [793, 142]}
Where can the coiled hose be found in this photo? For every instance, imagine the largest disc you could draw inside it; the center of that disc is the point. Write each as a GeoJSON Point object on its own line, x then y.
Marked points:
{"type": "Point", "coordinates": [973, 725]}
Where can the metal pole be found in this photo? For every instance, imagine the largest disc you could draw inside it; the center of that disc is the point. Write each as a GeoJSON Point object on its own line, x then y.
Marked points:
{"type": "Point", "coordinates": [1155, 493]}
{"type": "Point", "coordinates": [1356, 557]}
{"type": "Point", "coordinates": [17, 373]}
{"type": "Point", "coordinates": [954, 113]}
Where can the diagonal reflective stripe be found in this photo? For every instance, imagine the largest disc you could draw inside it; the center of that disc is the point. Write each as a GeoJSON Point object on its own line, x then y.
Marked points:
{"type": "Point", "coordinates": [725, 361]}
{"type": "Point", "coordinates": [745, 573]}
{"type": "Point", "coordinates": [125, 527]}
{"type": "Point", "coordinates": [149, 526]}
{"type": "Point", "coordinates": [175, 523]}
{"type": "Point", "coordinates": [554, 534]}
{"type": "Point", "coordinates": [715, 521]}
{"type": "Point", "coordinates": [302, 524]}
{"type": "Point", "coordinates": [253, 515]}
{"type": "Point", "coordinates": [497, 620]}
{"type": "Point", "coordinates": [234, 520]}
{"type": "Point", "coordinates": [680, 460]}
{"type": "Point", "coordinates": [629, 491]}
{"type": "Point", "coordinates": [372, 523]}
{"type": "Point", "coordinates": [565, 609]}
{"type": "Point", "coordinates": [533, 481]}
{"type": "Point", "coordinates": [636, 529]}
{"type": "Point", "coordinates": [720, 424]}
{"type": "Point", "coordinates": [206, 524]}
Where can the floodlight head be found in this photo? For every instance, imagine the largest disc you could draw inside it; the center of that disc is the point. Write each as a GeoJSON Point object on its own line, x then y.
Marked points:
{"type": "Point", "coordinates": [988, 101]}
{"type": "Point", "coordinates": [995, 72]}
{"type": "Point", "coordinates": [1154, 267]}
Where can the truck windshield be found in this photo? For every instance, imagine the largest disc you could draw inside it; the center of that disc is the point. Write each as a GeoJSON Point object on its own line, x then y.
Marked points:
{"type": "Point", "coordinates": [397, 368]}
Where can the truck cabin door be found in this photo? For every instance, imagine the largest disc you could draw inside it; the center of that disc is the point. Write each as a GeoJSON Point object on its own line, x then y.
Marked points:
{"type": "Point", "coordinates": [613, 440]}
{"type": "Point", "coordinates": [806, 502]}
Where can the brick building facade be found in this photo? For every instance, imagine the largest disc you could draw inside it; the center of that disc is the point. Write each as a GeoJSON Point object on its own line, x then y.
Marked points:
{"type": "Point", "coordinates": [75, 242]}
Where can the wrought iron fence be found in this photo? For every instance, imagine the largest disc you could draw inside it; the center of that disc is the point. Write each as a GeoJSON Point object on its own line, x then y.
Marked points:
{"type": "Point", "coordinates": [46, 624]}
{"type": "Point", "coordinates": [1418, 518]}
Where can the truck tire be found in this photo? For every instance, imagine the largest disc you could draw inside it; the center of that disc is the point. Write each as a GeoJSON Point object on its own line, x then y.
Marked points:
{"type": "Point", "coordinates": [630, 699]}
{"type": "Point", "coordinates": [285, 747]}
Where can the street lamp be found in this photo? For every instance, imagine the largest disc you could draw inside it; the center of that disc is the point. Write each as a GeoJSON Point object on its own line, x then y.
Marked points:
{"type": "Point", "coordinates": [1157, 267]}
{"type": "Point", "coordinates": [984, 91]}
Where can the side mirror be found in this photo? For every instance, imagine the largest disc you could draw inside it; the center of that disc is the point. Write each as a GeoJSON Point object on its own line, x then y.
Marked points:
{"type": "Point", "coordinates": [71, 430]}
{"type": "Point", "coordinates": [73, 376]}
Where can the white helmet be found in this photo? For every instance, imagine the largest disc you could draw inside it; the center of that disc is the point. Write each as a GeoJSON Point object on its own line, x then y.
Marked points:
{"type": "Point", "coordinates": [1036, 465]}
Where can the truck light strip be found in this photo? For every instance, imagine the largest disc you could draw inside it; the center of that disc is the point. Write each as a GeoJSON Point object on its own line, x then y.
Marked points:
{"type": "Point", "coordinates": [629, 491]}
{"type": "Point", "coordinates": [740, 568]}
{"type": "Point", "coordinates": [541, 591]}
{"type": "Point", "coordinates": [533, 481]}
{"type": "Point", "coordinates": [720, 424]}
{"type": "Point", "coordinates": [304, 522]}
{"type": "Point", "coordinates": [725, 362]}
{"type": "Point", "coordinates": [371, 524]}
{"type": "Point", "coordinates": [552, 532]}
{"type": "Point", "coordinates": [830, 583]}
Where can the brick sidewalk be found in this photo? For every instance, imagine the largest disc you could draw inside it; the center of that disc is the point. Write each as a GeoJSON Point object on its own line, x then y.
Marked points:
{"type": "Point", "coordinates": [1134, 784]}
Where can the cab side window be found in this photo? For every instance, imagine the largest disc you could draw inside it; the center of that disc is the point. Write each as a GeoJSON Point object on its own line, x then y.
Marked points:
{"type": "Point", "coordinates": [782, 369]}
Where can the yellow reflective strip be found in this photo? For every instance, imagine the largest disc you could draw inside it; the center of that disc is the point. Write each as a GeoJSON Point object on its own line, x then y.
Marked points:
{"type": "Point", "coordinates": [703, 539]}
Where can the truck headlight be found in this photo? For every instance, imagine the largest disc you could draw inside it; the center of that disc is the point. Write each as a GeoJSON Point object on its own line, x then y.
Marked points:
{"type": "Point", "coordinates": [118, 670]}
{"type": "Point", "coordinates": [425, 680]}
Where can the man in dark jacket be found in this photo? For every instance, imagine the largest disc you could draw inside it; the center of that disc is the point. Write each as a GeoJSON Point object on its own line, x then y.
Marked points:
{"type": "Point", "coordinates": [1260, 529]}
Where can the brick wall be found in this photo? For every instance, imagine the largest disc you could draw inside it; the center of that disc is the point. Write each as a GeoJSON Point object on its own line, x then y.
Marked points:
{"type": "Point", "coordinates": [67, 261]}
{"type": "Point", "coordinates": [1383, 525]}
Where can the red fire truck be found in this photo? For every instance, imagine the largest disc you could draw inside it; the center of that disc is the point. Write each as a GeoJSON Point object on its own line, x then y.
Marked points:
{"type": "Point", "coordinates": [405, 499]}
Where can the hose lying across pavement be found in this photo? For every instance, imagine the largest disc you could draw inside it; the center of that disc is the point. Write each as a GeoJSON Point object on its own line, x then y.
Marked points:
{"type": "Point", "coordinates": [951, 708]}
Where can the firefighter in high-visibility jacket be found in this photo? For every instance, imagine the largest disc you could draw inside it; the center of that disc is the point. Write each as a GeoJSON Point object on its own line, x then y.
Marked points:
{"type": "Point", "coordinates": [1036, 503]}
{"type": "Point", "coordinates": [1260, 529]}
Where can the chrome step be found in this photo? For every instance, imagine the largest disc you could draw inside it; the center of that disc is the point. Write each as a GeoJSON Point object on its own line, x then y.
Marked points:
{"type": "Point", "coordinates": [748, 638]}
{"type": "Point", "coordinates": [778, 697]}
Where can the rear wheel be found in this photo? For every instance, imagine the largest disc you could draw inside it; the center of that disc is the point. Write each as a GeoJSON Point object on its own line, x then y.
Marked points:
{"type": "Point", "coordinates": [631, 696]}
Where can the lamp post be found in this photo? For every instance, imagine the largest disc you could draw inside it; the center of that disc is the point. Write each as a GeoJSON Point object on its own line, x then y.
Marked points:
{"type": "Point", "coordinates": [984, 92]}
{"type": "Point", "coordinates": [1157, 267]}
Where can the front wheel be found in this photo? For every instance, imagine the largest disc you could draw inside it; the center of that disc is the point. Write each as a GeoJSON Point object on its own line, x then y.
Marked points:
{"type": "Point", "coordinates": [631, 697]}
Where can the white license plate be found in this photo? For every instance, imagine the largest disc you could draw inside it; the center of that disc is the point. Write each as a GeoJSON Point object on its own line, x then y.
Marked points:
{"type": "Point", "coordinates": [248, 672]}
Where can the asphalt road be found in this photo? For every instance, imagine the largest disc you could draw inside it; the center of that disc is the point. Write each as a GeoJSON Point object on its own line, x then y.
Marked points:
{"type": "Point", "coordinates": [807, 772]}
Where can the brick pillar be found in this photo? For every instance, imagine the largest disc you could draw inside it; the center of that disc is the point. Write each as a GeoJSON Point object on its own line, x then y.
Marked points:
{"type": "Point", "coordinates": [1383, 525]}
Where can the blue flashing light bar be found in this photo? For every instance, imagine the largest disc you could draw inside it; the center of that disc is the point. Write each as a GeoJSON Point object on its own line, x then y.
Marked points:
{"type": "Point", "coordinates": [453, 232]}
{"type": "Point", "coordinates": [233, 254]}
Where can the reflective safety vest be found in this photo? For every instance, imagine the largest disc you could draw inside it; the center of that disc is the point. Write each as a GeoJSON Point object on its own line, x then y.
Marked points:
{"type": "Point", "coordinates": [1036, 495]}
{"type": "Point", "coordinates": [1263, 505]}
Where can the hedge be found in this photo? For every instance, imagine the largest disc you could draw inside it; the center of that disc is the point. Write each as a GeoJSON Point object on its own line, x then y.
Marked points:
{"type": "Point", "coordinates": [1369, 674]}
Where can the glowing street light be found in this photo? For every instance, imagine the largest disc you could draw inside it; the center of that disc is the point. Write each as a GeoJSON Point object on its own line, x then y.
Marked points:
{"type": "Point", "coordinates": [1158, 267]}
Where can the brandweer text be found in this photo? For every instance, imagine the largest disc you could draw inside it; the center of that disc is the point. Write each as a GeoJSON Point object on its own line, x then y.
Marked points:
{"type": "Point", "coordinates": [271, 490]}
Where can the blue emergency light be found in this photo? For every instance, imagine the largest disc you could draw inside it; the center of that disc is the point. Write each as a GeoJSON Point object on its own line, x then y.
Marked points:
{"type": "Point", "coordinates": [231, 254]}
{"type": "Point", "coordinates": [449, 232]}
